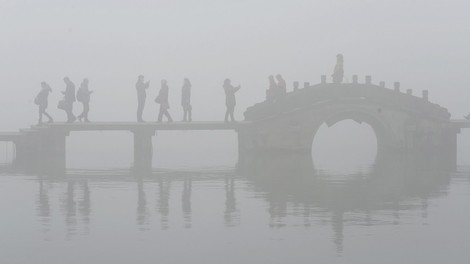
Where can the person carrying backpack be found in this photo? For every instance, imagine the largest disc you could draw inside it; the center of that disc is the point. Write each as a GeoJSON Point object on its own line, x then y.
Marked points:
{"type": "Point", "coordinates": [41, 100]}
{"type": "Point", "coordinates": [83, 96]}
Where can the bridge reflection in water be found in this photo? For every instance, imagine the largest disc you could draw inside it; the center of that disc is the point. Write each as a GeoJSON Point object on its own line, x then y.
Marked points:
{"type": "Point", "coordinates": [290, 189]}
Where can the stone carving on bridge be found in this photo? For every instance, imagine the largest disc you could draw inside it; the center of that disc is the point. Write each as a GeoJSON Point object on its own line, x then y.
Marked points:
{"type": "Point", "coordinates": [338, 72]}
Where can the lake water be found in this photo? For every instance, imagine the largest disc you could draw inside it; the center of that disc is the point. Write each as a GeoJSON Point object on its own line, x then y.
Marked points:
{"type": "Point", "coordinates": [263, 211]}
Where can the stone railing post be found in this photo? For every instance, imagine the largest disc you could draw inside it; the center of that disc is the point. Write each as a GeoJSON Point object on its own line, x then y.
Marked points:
{"type": "Point", "coordinates": [354, 79]}
{"type": "Point", "coordinates": [426, 95]}
{"type": "Point", "coordinates": [396, 86]}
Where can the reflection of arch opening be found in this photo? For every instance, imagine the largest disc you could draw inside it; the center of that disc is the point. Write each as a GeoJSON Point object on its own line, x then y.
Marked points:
{"type": "Point", "coordinates": [345, 145]}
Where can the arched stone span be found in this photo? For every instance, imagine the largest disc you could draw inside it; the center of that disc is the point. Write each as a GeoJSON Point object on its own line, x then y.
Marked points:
{"type": "Point", "coordinates": [400, 121]}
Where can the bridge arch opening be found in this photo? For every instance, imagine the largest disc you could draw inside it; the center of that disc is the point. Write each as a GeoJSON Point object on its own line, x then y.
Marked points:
{"type": "Point", "coordinates": [345, 146]}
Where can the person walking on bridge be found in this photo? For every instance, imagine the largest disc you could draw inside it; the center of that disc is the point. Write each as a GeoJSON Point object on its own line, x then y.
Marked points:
{"type": "Point", "coordinates": [66, 104]}
{"type": "Point", "coordinates": [186, 100]}
{"type": "Point", "coordinates": [162, 99]}
{"type": "Point", "coordinates": [230, 100]}
{"type": "Point", "coordinates": [281, 86]}
{"type": "Point", "coordinates": [141, 88]}
{"type": "Point", "coordinates": [83, 96]}
{"type": "Point", "coordinates": [41, 100]}
{"type": "Point", "coordinates": [272, 92]}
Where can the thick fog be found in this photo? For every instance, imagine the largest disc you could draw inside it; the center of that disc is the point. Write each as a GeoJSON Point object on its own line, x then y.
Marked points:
{"type": "Point", "coordinates": [422, 44]}
{"type": "Point", "coordinates": [196, 197]}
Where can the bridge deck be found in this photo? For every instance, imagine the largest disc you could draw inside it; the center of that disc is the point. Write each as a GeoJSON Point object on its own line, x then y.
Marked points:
{"type": "Point", "coordinates": [130, 126]}
{"type": "Point", "coordinates": [461, 123]}
{"type": "Point", "coordinates": [10, 136]}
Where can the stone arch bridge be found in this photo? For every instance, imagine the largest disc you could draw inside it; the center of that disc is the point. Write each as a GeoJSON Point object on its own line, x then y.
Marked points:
{"type": "Point", "coordinates": [401, 121]}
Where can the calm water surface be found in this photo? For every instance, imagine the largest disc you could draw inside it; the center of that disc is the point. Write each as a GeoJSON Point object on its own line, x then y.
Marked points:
{"type": "Point", "coordinates": [266, 212]}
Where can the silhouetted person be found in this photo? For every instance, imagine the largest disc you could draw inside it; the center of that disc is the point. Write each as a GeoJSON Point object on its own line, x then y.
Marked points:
{"type": "Point", "coordinates": [186, 100]}
{"type": "Point", "coordinates": [339, 71]}
{"type": "Point", "coordinates": [272, 92]}
{"type": "Point", "coordinates": [83, 96]}
{"type": "Point", "coordinates": [69, 98]}
{"type": "Point", "coordinates": [141, 88]}
{"type": "Point", "coordinates": [281, 86]}
{"type": "Point", "coordinates": [42, 101]}
{"type": "Point", "coordinates": [162, 99]}
{"type": "Point", "coordinates": [230, 101]}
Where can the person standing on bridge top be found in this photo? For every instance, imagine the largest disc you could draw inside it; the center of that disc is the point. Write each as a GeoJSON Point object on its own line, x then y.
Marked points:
{"type": "Point", "coordinates": [272, 92]}
{"type": "Point", "coordinates": [162, 99]}
{"type": "Point", "coordinates": [83, 96]}
{"type": "Point", "coordinates": [338, 73]}
{"type": "Point", "coordinates": [186, 100]}
{"type": "Point", "coordinates": [281, 86]}
{"type": "Point", "coordinates": [42, 101]}
{"type": "Point", "coordinates": [69, 98]}
{"type": "Point", "coordinates": [141, 88]}
{"type": "Point", "coordinates": [230, 101]}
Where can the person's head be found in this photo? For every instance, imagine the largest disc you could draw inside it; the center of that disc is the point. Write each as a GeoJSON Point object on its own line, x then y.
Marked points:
{"type": "Point", "coordinates": [66, 80]}
{"type": "Point", "coordinates": [141, 78]}
{"type": "Point", "coordinates": [45, 86]}
{"type": "Point", "coordinates": [186, 81]}
{"type": "Point", "coordinates": [279, 77]}
{"type": "Point", "coordinates": [85, 81]}
{"type": "Point", "coordinates": [271, 78]}
{"type": "Point", "coordinates": [227, 81]}
{"type": "Point", "coordinates": [163, 82]}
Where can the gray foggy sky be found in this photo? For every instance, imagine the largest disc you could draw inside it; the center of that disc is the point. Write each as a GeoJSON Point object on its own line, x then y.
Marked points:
{"type": "Point", "coordinates": [423, 44]}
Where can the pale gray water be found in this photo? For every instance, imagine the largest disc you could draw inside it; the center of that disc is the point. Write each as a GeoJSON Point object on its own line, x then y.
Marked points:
{"type": "Point", "coordinates": [265, 214]}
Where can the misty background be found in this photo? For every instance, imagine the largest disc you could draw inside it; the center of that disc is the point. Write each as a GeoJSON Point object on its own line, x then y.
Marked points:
{"type": "Point", "coordinates": [422, 44]}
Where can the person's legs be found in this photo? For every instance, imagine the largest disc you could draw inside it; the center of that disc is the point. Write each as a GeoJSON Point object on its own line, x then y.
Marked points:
{"type": "Point", "coordinates": [232, 109]}
{"type": "Point", "coordinates": [86, 109]}
{"type": "Point", "coordinates": [48, 116]}
{"type": "Point", "coordinates": [190, 119]}
{"type": "Point", "coordinates": [40, 115]}
{"type": "Point", "coordinates": [227, 113]}
{"type": "Point", "coordinates": [69, 109]}
{"type": "Point", "coordinates": [69, 116]}
{"type": "Point", "coordinates": [80, 116]}
{"type": "Point", "coordinates": [140, 109]}
{"type": "Point", "coordinates": [167, 115]}
{"type": "Point", "coordinates": [160, 114]}
{"type": "Point", "coordinates": [185, 114]}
